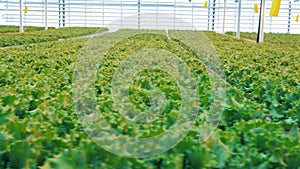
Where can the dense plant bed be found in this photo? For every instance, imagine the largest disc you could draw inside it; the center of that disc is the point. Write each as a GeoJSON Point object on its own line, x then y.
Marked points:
{"type": "Point", "coordinates": [259, 128]}
{"type": "Point", "coordinates": [267, 73]}
{"type": "Point", "coordinates": [44, 36]}
{"type": "Point", "coordinates": [271, 37]}
{"type": "Point", "coordinates": [16, 29]}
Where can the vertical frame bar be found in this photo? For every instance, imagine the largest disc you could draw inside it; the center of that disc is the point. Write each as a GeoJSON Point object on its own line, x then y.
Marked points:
{"type": "Point", "coordinates": [224, 17]}
{"type": "Point", "coordinates": [64, 13]}
{"type": "Point", "coordinates": [289, 18]}
{"type": "Point", "coordinates": [208, 16]}
{"type": "Point", "coordinates": [139, 14]}
{"type": "Point", "coordinates": [213, 16]}
{"type": "Point", "coordinates": [214, 13]}
{"type": "Point", "coordinates": [260, 35]}
{"type": "Point", "coordinates": [46, 14]}
{"type": "Point", "coordinates": [21, 16]}
{"type": "Point", "coordinates": [238, 33]}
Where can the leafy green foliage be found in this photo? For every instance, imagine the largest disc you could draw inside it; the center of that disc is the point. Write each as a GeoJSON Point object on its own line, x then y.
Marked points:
{"type": "Point", "coordinates": [145, 82]}
{"type": "Point", "coordinates": [259, 129]}
{"type": "Point", "coordinates": [13, 39]}
{"type": "Point", "coordinates": [266, 73]}
{"type": "Point", "coordinates": [15, 29]}
{"type": "Point", "coordinates": [272, 38]}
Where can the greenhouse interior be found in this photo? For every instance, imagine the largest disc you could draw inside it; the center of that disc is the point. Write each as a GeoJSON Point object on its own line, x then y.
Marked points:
{"type": "Point", "coordinates": [149, 84]}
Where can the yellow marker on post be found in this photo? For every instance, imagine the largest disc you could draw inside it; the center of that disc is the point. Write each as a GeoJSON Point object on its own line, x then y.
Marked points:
{"type": "Point", "coordinates": [205, 5]}
{"type": "Point", "coordinates": [297, 18]}
{"type": "Point", "coordinates": [26, 10]}
{"type": "Point", "coordinates": [255, 8]}
{"type": "Point", "coordinates": [275, 7]}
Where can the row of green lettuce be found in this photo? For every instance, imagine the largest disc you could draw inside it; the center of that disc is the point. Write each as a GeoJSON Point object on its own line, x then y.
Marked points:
{"type": "Point", "coordinates": [16, 29]}
{"type": "Point", "coordinates": [15, 39]}
{"type": "Point", "coordinates": [280, 38]}
{"type": "Point", "coordinates": [259, 128]}
{"type": "Point", "coordinates": [267, 73]}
